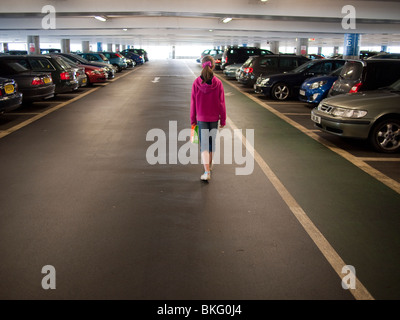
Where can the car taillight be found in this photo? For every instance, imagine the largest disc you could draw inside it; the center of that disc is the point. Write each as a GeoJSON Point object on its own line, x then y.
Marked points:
{"type": "Point", "coordinates": [65, 76]}
{"type": "Point", "coordinates": [355, 88]}
{"type": "Point", "coordinates": [118, 55]}
{"type": "Point", "coordinates": [248, 70]}
{"type": "Point", "coordinates": [226, 59]}
{"type": "Point", "coordinates": [36, 81]}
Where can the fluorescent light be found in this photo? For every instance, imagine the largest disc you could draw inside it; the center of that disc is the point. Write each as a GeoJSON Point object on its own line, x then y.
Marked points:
{"type": "Point", "coordinates": [101, 18]}
{"type": "Point", "coordinates": [125, 29]}
{"type": "Point", "coordinates": [226, 20]}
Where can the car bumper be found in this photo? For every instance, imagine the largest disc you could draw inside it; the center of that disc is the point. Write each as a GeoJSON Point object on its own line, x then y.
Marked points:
{"type": "Point", "coordinates": [67, 86]}
{"type": "Point", "coordinates": [262, 89]}
{"type": "Point", "coordinates": [311, 96]}
{"type": "Point", "coordinates": [351, 128]}
{"type": "Point", "coordinates": [9, 103]}
{"type": "Point", "coordinates": [38, 94]}
{"type": "Point", "coordinates": [98, 78]}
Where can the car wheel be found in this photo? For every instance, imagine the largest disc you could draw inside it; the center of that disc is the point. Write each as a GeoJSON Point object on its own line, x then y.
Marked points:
{"type": "Point", "coordinates": [385, 135]}
{"type": "Point", "coordinates": [280, 91]}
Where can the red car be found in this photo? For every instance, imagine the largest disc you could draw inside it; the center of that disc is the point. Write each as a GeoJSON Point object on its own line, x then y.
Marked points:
{"type": "Point", "coordinates": [95, 74]}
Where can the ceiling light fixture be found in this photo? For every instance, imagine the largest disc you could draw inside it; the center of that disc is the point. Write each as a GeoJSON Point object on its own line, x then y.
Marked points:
{"type": "Point", "coordinates": [101, 18]}
{"type": "Point", "coordinates": [226, 20]}
{"type": "Point", "coordinates": [125, 29]}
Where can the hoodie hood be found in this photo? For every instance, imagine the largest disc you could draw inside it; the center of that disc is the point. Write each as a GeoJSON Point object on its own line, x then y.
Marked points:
{"type": "Point", "coordinates": [204, 87]}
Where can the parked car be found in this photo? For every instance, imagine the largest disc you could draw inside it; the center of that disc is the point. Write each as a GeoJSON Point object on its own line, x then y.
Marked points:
{"type": "Point", "coordinates": [386, 56]}
{"type": "Point", "coordinates": [286, 85]}
{"type": "Point", "coordinates": [315, 89]}
{"type": "Point", "coordinates": [17, 52]}
{"type": "Point", "coordinates": [372, 115]}
{"type": "Point", "coordinates": [234, 55]}
{"type": "Point", "coordinates": [116, 59]}
{"type": "Point", "coordinates": [266, 65]}
{"type": "Point", "coordinates": [232, 70]}
{"type": "Point", "coordinates": [216, 54]}
{"type": "Point", "coordinates": [313, 56]}
{"type": "Point", "coordinates": [137, 59]}
{"type": "Point", "coordinates": [365, 54]}
{"type": "Point", "coordinates": [365, 75]}
{"type": "Point", "coordinates": [95, 57]}
{"type": "Point", "coordinates": [34, 85]}
{"type": "Point", "coordinates": [140, 52]}
{"type": "Point", "coordinates": [110, 69]}
{"type": "Point", "coordinates": [62, 74]}
{"type": "Point", "coordinates": [91, 73]}
{"type": "Point", "coordinates": [10, 97]}
{"type": "Point", "coordinates": [79, 71]}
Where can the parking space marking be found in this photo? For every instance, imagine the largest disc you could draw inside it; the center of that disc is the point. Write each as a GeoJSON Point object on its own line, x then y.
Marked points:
{"type": "Point", "coordinates": [296, 114]}
{"type": "Point", "coordinates": [330, 254]}
{"type": "Point", "coordinates": [379, 159]}
{"type": "Point", "coordinates": [44, 113]}
{"type": "Point", "coordinates": [21, 113]}
{"type": "Point", "coordinates": [389, 182]}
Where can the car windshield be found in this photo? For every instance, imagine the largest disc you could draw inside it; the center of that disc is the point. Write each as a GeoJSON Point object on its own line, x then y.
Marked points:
{"type": "Point", "coordinates": [64, 65]}
{"type": "Point", "coordinates": [103, 57]}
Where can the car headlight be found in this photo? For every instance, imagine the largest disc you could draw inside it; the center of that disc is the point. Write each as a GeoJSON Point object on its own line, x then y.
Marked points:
{"type": "Point", "coordinates": [317, 84]}
{"type": "Point", "coordinates": [264, 82]}
{"type": "Point", "coordinates": [348, 113]}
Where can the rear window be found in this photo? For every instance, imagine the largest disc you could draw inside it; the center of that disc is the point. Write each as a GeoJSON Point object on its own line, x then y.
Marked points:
{"type": "Point", "coordinates": [269, 62]}
{"type": "Point", "coordinates": [41, 64]}
{"type": "Point", "coordinates": [64, 64]}
{"type": "Point", "coordinates": [11, 67]}
{"type": "Point", "coordinates": [288, 62]}
{"type": "Point", "coordinates": [352, 71]}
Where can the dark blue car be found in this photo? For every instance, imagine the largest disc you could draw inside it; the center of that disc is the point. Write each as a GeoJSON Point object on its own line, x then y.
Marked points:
{"type": "Point", "coordinates": [315, 89]}
{"type": "Point", "coordinates": [137, 59]}
{"type": "Point", "coordinates": [286, 85]}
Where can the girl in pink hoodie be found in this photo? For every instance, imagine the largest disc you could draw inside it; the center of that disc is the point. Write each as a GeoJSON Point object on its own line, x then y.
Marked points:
{"type": "Point", "coordinates": [207, 107]}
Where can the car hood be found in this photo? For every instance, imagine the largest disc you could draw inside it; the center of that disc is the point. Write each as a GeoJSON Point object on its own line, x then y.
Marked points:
{"type": "Point", "coordinates": [364, 99]}
{"type": "Point", "coordinates": [320, 78]}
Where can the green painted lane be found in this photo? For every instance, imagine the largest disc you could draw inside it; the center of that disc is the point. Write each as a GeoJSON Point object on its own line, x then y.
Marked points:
{"type": "Point", "coordinates": [357, 214]}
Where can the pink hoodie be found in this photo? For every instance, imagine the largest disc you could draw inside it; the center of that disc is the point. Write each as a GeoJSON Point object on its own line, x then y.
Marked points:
{"type": "Point", "coordinates": [208, 102]}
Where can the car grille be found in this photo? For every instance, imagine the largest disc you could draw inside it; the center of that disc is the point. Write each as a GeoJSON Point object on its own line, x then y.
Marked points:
{"type": "Point", "coordinates": [325, 108]}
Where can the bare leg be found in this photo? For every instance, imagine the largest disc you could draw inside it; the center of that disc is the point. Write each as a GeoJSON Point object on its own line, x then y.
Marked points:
{"type": "Point", "coordinates": [205, 155]}
{"type": "Point", "coordinates": [210, 160]}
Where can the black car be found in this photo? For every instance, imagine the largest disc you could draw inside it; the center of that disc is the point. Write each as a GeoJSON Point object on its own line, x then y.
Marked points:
{"type": "Point", "coordinates": [286, 85]}
{"type": "Point", "coordinates": [234, 55]}
{"type": "Point", "coordinates": [385, 56]}
{"type": "Point", "coordinates": [110, 69]}
{"type": "Point", "coordinates": [10, 97]}
{"type": "Point", "coordinates": [268, 65]}
{"type": "Point", "coordinates": [366, 75]}
{"type": "Point", "coordinates": [140, 52]}
{"type": "Point", "coordinates": [34, 85]}
{"type": "Point", "coordinates": [63, 75]}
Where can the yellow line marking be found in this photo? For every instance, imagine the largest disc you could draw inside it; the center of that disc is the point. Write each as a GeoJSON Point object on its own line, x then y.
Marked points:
{"type": "Point", "coordinates": [296, 114]}
{"type": "Point", "coordinates": [379, 159]}
{"type": "Point", "coordinates": [337, 263]}
{"type": "Point", "coordinates": [21, 113]}
{"type": "Point", "coordinates": [389, 182]}
{"type": "Point", "coordinates": [44, 113]}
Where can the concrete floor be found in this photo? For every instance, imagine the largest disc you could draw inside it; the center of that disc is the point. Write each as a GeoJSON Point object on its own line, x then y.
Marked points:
{"type": "Point", "coordinates": [78, 193]}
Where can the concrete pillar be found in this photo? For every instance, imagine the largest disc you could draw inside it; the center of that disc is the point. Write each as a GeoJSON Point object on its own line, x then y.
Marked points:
{"type": "Point", "coordinates": [173, 52]}
{"type": "Point", "coordinates": [85, 46]}
{"type": "Point", "coordinates": [123, 47]}
{"type": "Point", "coordinates": [351, 48]}
{"type": "Point", "coordinates": [33, 45]}
{"type": "Point", "coordinates": [384, 48]}
{"type": "Point", "coordinates": [302, 46]}
{"type": "Point", "coordinates": [65, 45]}
{"type": "Point", "coordinates": [117, 48]}
{"type": "Point", "coordinates": [335, 50]}
{"type": "Point", "coordinates": [319, 50]}
{"type": "Point", "coordinates": [109, 47]}
{"type": "Point", "coordinates": [99, 46]}
{"type": "Point", "coordinates": [274, 46]}
{"type": "Point", "coordinates": [257, 44]}
{"type": "Point", "coordinates": [5, 47]}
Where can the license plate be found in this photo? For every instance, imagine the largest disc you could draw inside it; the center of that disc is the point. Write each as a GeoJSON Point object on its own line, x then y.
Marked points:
{"type": "Point", "coordinates": [84, 80]}
{"type": "Point", "coordinates": [9, 88]}
{"type": "Point", "coordinates": [316, 119]}
{"type": "Point", "coordinates": [255, 87]}
{"type": "Point", "coordinates": [47, 80]}
{"type": "Point", "coordinates": [302, 92]}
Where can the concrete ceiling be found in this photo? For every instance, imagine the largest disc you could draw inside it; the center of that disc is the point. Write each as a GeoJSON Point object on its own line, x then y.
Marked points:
{"type": "Point", "coordinates": [177, 22]}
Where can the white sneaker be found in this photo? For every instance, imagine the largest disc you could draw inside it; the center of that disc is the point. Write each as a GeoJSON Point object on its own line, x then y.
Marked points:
{"type": "Point", "coordinates": [206, 176]}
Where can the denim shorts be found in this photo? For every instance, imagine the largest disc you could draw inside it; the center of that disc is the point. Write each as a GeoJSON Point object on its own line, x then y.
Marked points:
{"type": "Point", "coordinates": [207, 134]}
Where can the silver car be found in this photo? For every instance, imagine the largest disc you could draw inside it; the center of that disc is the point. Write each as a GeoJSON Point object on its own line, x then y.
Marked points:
{"type": "Point", "coordinates": [372, 115]}
{"type": "Point", "coordinates": [232, 71]}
